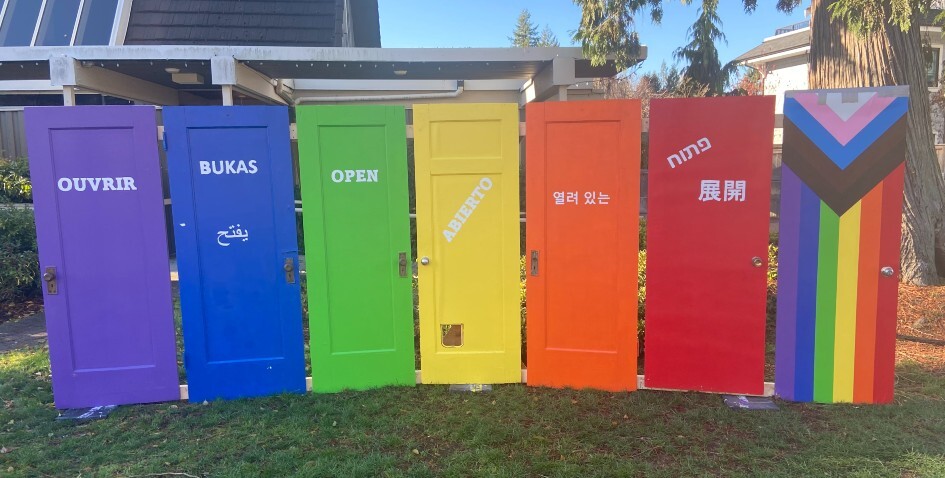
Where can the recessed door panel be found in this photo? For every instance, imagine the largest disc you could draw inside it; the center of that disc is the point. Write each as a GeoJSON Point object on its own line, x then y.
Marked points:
{"type": "Point", "coordinates": [237, 254]}
{"type": "Point", "coordinates": [353, 164]}
{"type": "Point", "coordinates": [103, 251]}
{"type": "Point", "coordinates": [468, 242]}
{"type": "Point", "coordinates": [583, 176]}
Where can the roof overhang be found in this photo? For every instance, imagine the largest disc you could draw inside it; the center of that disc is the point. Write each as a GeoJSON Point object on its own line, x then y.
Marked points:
{"type": "Point", "coordinates": [261, 68]}
{"type": "Point", "coordinates": [781, 55]}
{"type": "Point", "coordinates": [318, 63]}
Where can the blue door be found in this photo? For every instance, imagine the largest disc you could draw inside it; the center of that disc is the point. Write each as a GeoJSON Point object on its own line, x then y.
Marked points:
{"type": "Point", "coordinates": [233, 203]}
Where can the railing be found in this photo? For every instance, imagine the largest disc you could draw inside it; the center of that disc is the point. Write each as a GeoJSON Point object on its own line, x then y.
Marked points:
{"type": "Point", "coordinates": [791, 28]}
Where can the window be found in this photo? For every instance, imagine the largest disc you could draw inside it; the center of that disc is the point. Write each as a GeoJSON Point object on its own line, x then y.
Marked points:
{"type": "Point", "coordinates": [58, 23]}
{"type": "Point", "coordinates": [19, 22]}
{"type": "Point", "coordinates": [932, 63]}
{"type": "Point", "coordinates": [95, 27]}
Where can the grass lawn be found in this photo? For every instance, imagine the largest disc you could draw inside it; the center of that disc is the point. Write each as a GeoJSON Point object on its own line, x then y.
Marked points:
{"type": "Point", "coordinates": [514, 431]}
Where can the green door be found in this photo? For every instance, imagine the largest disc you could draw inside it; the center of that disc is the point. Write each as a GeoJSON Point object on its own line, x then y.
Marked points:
{"type": "Point", "coordinates": [353, 168]}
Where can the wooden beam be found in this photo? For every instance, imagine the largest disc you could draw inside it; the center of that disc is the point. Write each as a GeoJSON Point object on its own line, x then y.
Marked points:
{"type": "Point", "coordinates": [68, 95]}
{"type": "Point", "coordinates": [65, 71]}
{"type": "Point", "coordinates": [233, 75]}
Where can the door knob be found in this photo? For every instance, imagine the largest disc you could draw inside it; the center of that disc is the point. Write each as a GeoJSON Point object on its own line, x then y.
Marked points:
{"type": "Point", "coordinates": [289, 267]}
{"type": "Point", "coordinates": [424, 260]}
{"type": "Point", "coordinates": [402, 264]}
{"type": "Point", "coordinates": [887, 271]}
{"type": "Point", "coordinates": [50, 278]}
{"type": "Point", "coordinates": [756, 261]}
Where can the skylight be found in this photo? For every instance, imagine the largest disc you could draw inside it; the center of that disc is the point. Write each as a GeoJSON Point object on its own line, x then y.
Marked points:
{"type": "Point", "coordinates": [56, 22]}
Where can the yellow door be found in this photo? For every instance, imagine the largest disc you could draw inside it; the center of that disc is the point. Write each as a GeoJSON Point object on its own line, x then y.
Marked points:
{"type": "Point", "coordinates": [468, 242]}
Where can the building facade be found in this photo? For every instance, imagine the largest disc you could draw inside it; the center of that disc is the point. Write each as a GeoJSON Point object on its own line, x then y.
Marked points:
{"type": "Point", "coordinates": [782, 60]}
{"type": "Point", "coordinates": [281, 52]}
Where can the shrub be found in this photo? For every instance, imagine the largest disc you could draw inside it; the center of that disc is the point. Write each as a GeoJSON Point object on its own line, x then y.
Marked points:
{"type": "Point", "coordinates": [771, 304]}
{"type": "Point", "coordinates": [641, 296]}
{"type": "Point", "coordinates": [642, 233]}
{"type": "Point", "coordinates": [19, 261]}
{"type": "Point", "coordinates": [15, 186]}
{"type": "Point", "coordinates": [523, 273]}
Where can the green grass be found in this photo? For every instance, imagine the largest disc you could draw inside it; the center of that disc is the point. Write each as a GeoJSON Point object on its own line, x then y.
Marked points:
{"type": "Point", "coordinates": [514, 431]}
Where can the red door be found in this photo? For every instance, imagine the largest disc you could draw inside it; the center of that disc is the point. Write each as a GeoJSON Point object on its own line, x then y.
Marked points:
{"type": "Point", "coordinates": [583, 198]}
{"type": "Point", "coordinates": [707, 236]}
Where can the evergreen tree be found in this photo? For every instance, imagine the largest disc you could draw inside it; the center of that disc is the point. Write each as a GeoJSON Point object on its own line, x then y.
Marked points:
{"type": "Point", "coordinates": [853, 43]}
{"type": "Point", "coordinates": [666, 81]}
{"type": "Point", "coordinates": [701, 56]}
{"type": "Point", "coordinates": [525, 33]}
{"type": "Point", "coordinates": [547, 38]}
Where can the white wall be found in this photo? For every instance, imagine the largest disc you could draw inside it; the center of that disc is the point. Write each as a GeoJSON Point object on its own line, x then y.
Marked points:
{"type": "Point", "coordinates": [791, 74]}
{"type": "Point", "coordinates": [785, 75]}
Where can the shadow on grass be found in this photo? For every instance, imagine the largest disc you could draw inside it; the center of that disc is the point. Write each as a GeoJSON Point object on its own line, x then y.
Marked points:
{"type": "Point", "coordinates": [514, 431]}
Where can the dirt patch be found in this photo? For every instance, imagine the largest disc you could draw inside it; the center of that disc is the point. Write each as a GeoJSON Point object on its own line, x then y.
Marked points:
{"type": "Point", "coordinates": [922, 315]}
{"type": "Point", "coordinates": [19, 309]}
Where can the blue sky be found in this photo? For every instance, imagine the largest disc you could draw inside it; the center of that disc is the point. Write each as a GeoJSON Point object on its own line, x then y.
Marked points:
{"type": "Point", "coordinates": [488, 23]}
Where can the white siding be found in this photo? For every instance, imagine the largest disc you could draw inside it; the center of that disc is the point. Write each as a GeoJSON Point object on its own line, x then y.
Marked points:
{"type": "Point", "coordinates": [785, 75]}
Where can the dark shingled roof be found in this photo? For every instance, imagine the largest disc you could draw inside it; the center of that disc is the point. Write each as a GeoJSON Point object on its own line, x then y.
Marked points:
{"type": "Point", "coordinates": [311, 23]}
{"type": "Point", "coordinates": [783, 43]}
{"type": "Point", "coordinates": [367, 25]}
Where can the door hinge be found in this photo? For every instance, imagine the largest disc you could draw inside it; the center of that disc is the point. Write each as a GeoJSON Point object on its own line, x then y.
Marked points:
{"type": "Point", "coordinates": [534, 264]}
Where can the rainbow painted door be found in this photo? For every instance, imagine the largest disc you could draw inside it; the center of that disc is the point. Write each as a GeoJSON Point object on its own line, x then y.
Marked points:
{"type": "Point", "coordinates": [103, 250]}
{"type": "Point", "coordinates": [353, 166]}
{"type": "Point", "coordinates": [838, 263]}
{"type": "Point", "coordinates": [583, 201]}
{"type": "Point", "coordinates": [467, 182]}
{"type": "Point", "coordinates": [707, 243]}
{"type": "Point", "coordinates": [230, 170]}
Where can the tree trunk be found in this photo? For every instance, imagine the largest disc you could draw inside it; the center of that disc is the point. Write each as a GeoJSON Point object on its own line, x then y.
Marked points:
{"type": "Point", "coordinates": [840, 58]}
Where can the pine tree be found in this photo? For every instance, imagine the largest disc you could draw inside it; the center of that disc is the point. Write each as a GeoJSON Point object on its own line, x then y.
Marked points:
{"type": "Point", "coordinates": [526, 33]}
{"type": "Point", "coordinates": [547, 38]}
{"type": "Point", "coordinates": [701, 56]}
{"type": "Point", "coordinates": [853, 43]}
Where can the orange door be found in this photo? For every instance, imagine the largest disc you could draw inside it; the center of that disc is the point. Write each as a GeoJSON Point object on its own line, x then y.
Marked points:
{"type": "Point", "coordinates": [583, 199]}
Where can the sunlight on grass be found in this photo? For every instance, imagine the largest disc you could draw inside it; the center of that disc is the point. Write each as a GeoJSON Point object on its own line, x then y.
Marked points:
{"type": "Point", "coordinates": [24, 360]}
{"type": "Point", "coordinates": [513, 431]}
{"type": "Point", "coordinates": [923, 464]}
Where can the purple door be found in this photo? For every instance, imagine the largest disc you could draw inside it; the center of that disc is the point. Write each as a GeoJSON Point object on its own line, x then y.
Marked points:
{"type": "Point", "coordinates": [103, 252]}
